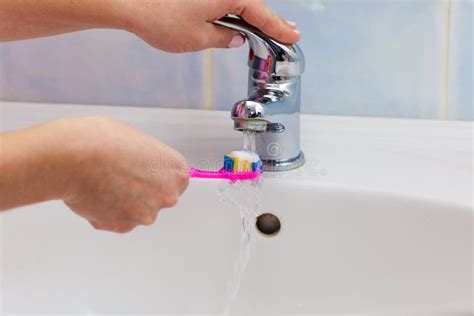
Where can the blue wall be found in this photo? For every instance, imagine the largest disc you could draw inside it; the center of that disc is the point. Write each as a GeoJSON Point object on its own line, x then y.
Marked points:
{"type": "Point", "coordinates": [461, 65]}
{"type": "Point", "coordinates": [393, 58]}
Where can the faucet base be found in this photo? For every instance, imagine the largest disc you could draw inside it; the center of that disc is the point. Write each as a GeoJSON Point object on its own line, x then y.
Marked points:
{"type": "Point", "coordinates": [271, 165]}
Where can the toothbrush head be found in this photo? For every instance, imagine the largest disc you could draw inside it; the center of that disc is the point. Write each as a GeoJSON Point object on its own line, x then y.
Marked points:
{"type": "Point", "coordinates": [242, 161]}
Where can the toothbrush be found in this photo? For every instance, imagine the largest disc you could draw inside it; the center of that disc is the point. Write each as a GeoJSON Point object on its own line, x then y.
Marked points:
{"type": "Point", "coordinates": [239, 165]}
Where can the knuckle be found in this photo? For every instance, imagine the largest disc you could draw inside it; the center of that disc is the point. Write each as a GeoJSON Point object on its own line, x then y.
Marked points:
{"type": "Point", "coordinates": [183, 182]}
{"type": "Point", "coordinates": [96, 225]}
{"type": "Point", "coordinates": [242, 4]}
{"type": "Point", "coordinates": [150, 219]}
{"type": "Point", "coordinates": [170, 201]}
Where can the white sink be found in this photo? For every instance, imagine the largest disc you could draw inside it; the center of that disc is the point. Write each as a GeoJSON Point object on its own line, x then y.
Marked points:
{"type": "Point", "coordinates": [378, 222]}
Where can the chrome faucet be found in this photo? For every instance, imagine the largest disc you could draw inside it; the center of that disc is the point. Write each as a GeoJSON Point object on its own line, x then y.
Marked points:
{"type": "Point", "coordinates": [272, 109]}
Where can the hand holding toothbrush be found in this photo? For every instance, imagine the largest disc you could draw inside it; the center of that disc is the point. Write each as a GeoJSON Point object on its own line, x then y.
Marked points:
{"type": "Point", "coordinates": [106, 171]}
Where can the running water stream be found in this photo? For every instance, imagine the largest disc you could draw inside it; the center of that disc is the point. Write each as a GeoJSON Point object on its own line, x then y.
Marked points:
{"type": "Point", "coordinates": [244, 195]}
{"type": "Point", "coordinates": [249, 141]}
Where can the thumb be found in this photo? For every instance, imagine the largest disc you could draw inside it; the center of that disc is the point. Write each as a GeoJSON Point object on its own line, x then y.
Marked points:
{"type": "Point", "coordinates": [222, 37]}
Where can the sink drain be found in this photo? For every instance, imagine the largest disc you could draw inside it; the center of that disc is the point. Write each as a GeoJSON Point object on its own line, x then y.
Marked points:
{"type": "Point", "coordinates": [268, 224]}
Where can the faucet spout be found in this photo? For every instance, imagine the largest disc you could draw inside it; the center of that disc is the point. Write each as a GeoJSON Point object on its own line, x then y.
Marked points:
{"type": "Point", "coordinates": [249, 115]}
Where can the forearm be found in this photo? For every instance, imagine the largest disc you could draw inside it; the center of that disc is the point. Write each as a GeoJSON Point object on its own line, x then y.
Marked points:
{"type": "Point", "coordinates": [32, 166]}
{"type": "Point", "coordinates": [23, 19]}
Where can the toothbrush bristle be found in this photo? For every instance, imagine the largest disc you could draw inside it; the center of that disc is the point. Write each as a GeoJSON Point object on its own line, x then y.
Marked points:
{"type": "Point", "coordinates": [228, 164]}
{"type": "Point", "coordinates": [233, 164]}
{"type": "Point", "coordinates": [258, 166]}
{"type": "Point", "coordinates": [236, 164]}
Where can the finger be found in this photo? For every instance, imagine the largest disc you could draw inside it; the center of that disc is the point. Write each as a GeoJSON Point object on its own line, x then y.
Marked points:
{"type": "Point", "coordinates": [259, 15]}
{"type": "Point", "coordinates": [153, 217]}
{"type": "Point", "coordinates": [289, 23]}
{"type": "Point", "coordinates": [120, 228]}
{"type": "Point", "coordinates": [169, 200]}
{"type": "Point", "coordinates": [221, 37]}
{"type": "Point", "coordinates": [183, 182]}
{"type": "Point", "coordinates": [95, 224]}
{"type": "Point", "coordinates": [148, 219]}
{"type": "Point", "coordinates": [115, 228]}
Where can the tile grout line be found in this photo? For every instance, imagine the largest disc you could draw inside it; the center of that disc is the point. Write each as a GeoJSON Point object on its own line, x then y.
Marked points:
{"type": "Point", "coordinates": [1, 265]}
{"type": "Point", "coordinates": [208, 76]}
{"type": "Point", "coordinates": [444, 98]}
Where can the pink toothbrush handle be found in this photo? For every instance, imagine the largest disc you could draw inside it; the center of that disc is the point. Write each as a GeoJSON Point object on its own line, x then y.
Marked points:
{"type": "Point", "coordinates": [196, 173]}
{"type": "Point", "coordinates": [222, 174]}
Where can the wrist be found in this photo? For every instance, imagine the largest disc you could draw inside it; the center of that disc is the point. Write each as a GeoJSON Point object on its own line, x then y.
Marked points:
{"type": "Point", "coordinates": [111, 14]}
{"type": "Point", "coordinates": [34, 166]}
{"type": "Point", "coordinates": [141, 16]}
{"type": "Point", "coordinates": [72, 153]}
{"type": "Point", "coordinates": [89, 14]}
{"type": "Point", "coordinates": [115, 14]}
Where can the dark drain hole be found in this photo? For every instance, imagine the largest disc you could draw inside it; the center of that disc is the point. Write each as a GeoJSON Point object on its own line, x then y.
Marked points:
{"type": "Point", "coordinates": [268, 224]}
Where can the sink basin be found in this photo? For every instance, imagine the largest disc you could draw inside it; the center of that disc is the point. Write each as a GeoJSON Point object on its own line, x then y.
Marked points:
{"type": "Point", "coordinates": [379, 221]}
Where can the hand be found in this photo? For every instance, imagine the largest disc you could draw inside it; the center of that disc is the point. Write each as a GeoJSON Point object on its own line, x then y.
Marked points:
{"type": "Point", "coordinates": [113, 185]}
{"type": "Point", "coordinates": [186, 25]}
{"type": "Point", "coordinates": [169, 25]}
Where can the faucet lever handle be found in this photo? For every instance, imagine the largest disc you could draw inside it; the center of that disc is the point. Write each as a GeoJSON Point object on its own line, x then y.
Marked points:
{"type": "Point", "coordinates": [266, 54]}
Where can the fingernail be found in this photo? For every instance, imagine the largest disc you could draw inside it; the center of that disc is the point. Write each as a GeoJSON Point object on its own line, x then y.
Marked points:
{"type": "Point", "coordinates": [291, 23]}
{"type": "Point", "coordinates": [297, 32]}
{"type": "Point", "coordinates": [237, 41]}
